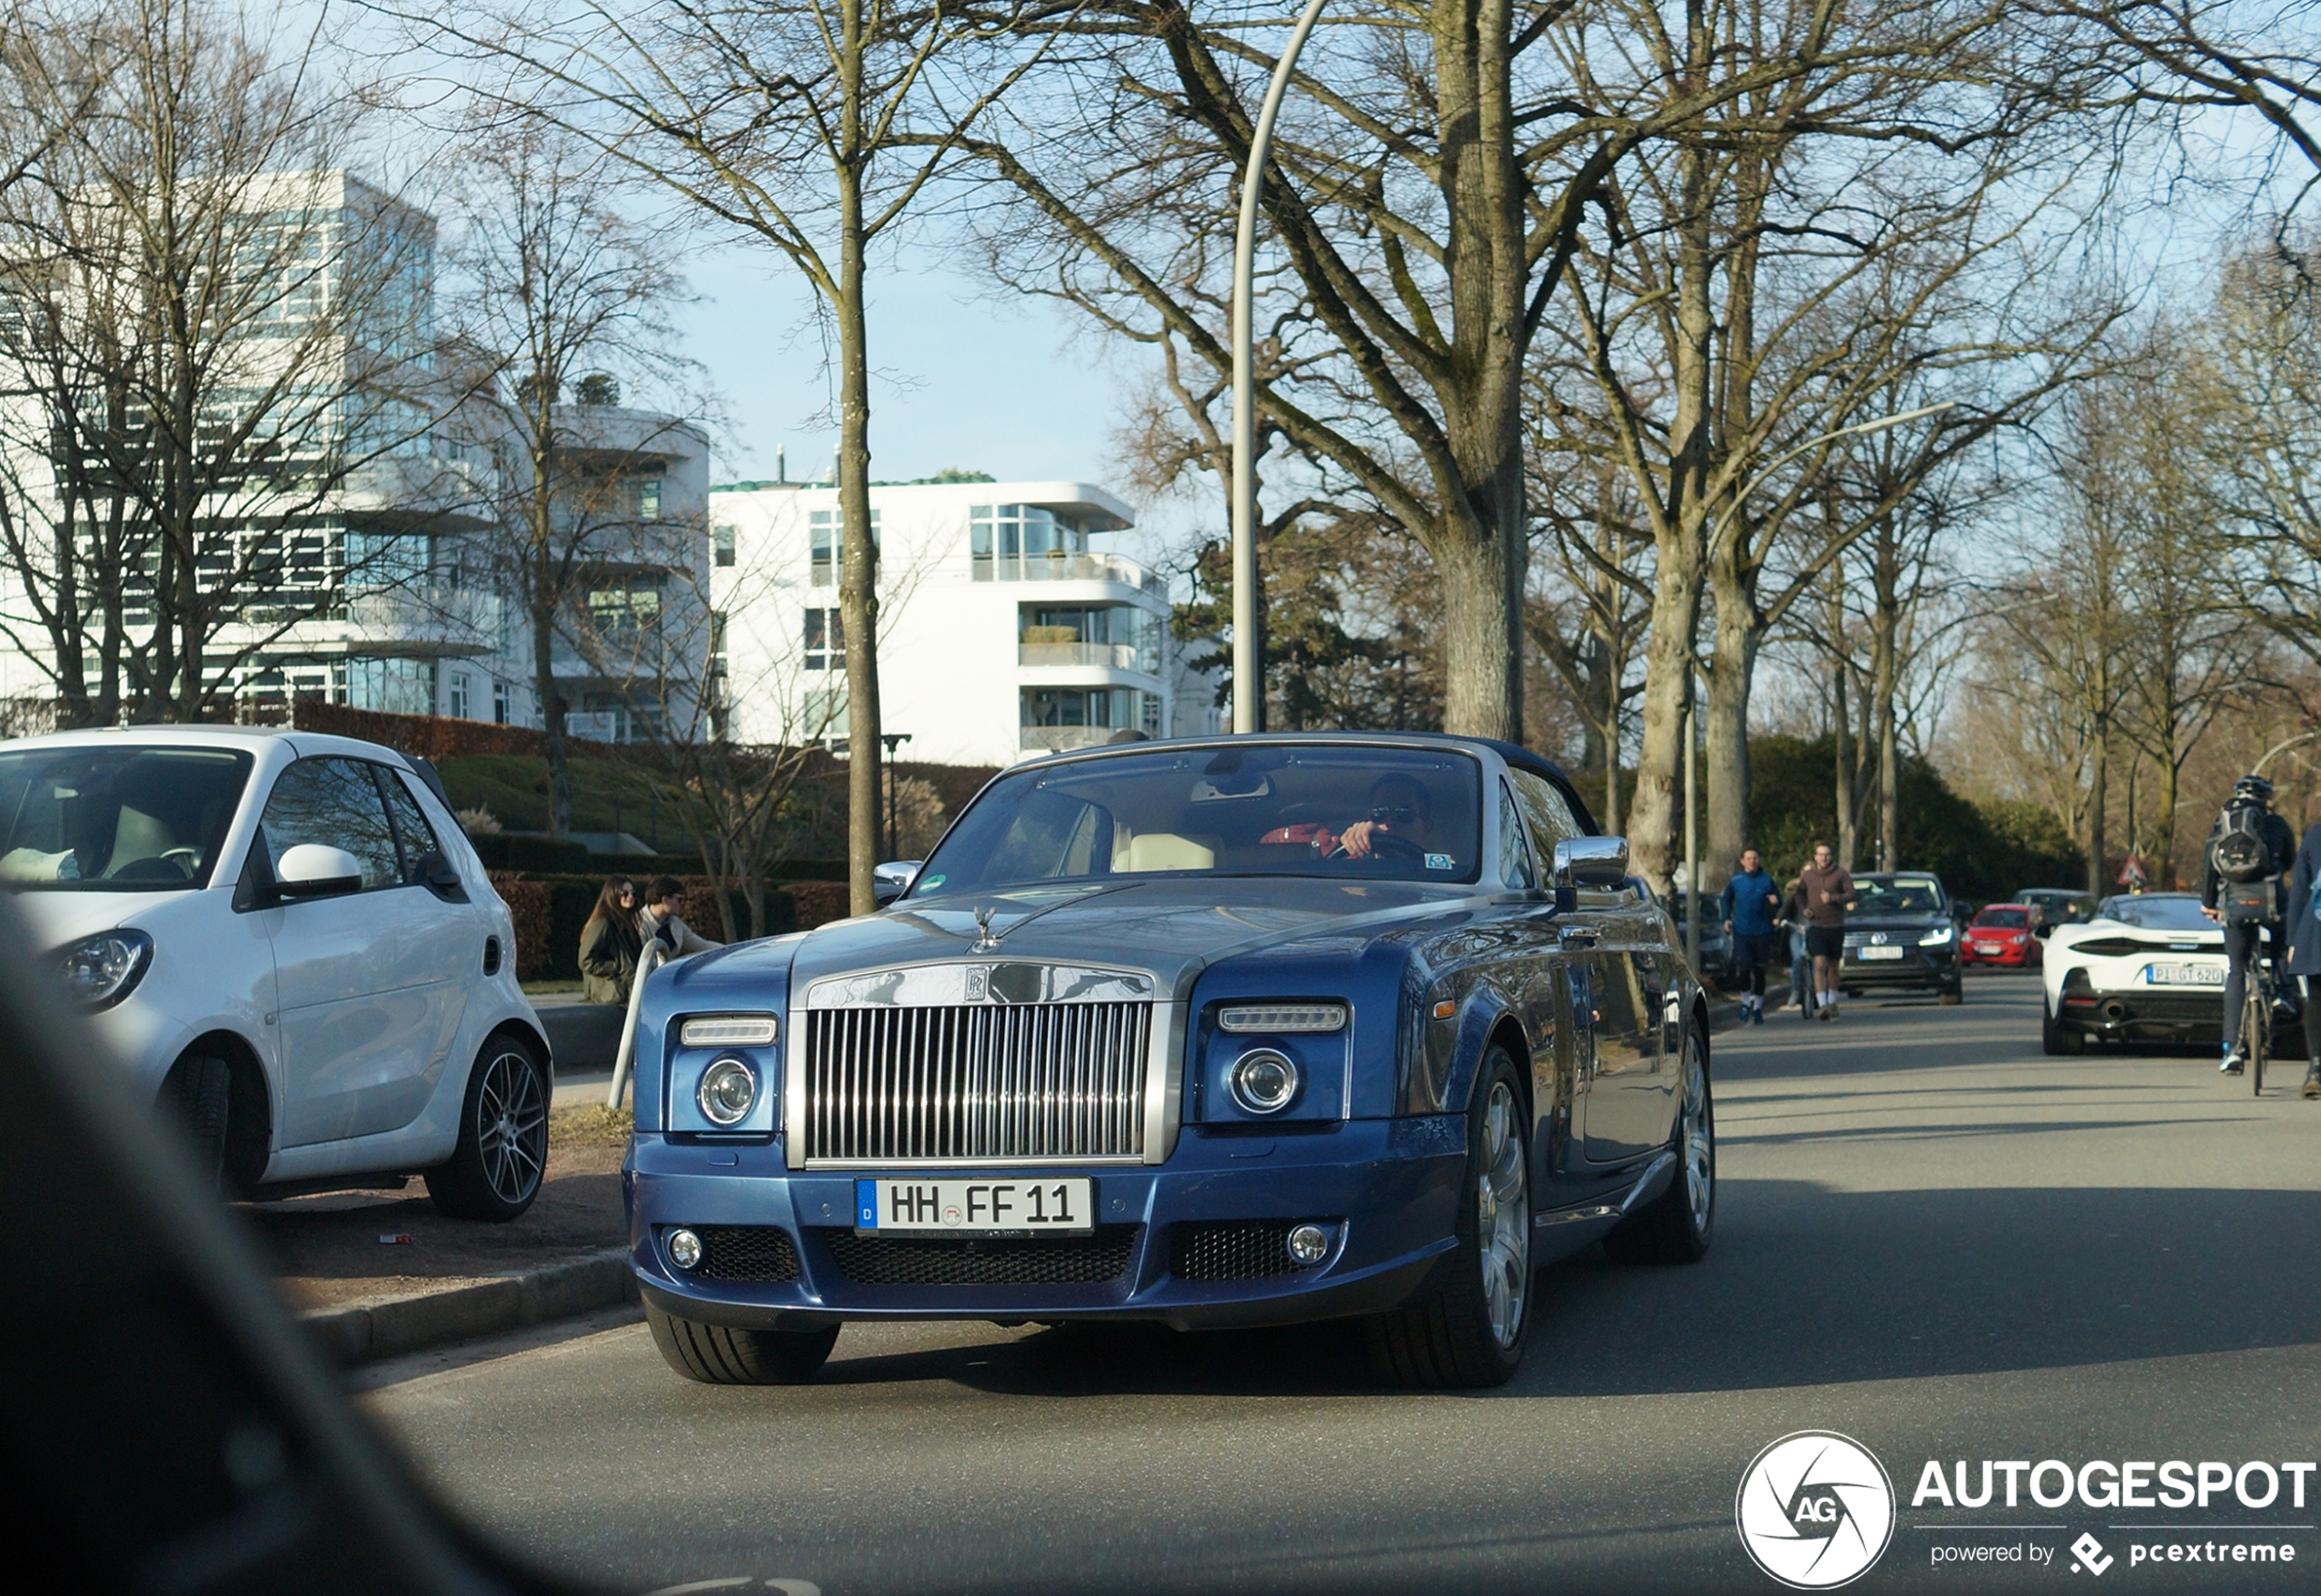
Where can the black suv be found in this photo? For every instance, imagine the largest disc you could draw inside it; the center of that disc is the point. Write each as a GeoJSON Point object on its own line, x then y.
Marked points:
{"type": "Point", "coordinates": [1901, 934]}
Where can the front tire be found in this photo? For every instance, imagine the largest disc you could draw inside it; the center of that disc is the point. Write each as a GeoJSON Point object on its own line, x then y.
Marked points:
{"type": "Point", "coordinates": [1468, 1327]}
{"type": "Point", "coordinates": [721, 1355]}
{"type": "Point", "coordinates": [200, 1094]}
{"type": "Point", "coordinates": [1678, 1225]}
{"type": "Point", "coordinates": [496, 1172]}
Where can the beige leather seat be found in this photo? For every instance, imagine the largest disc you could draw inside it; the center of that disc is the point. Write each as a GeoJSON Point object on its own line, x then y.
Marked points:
{"type": "Point", "coordinates": [1165, 851]}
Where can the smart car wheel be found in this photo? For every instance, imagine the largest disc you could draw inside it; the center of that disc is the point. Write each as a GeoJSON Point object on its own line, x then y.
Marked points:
{"type": "Point", "coordinates": [721, 1355]}
{"type": "Point", "coordinates": [494, 1173]}
{"type": "Point", "coordinates": [200, 1091]}
{"type": "Point", "coordinates": [1677, 1226]}
{"type": "Point", "coordinates": [1468, 1327]}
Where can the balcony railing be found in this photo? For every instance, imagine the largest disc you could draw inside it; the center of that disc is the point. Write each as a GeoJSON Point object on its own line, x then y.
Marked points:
{"type": "Point", "coordinates": [1115, 656]}
{"type": "Point", "coordinates": [1059, 567]}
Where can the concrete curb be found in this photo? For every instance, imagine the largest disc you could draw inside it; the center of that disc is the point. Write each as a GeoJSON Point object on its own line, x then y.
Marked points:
{"type": "Point", "coordinates": [368, 1332]}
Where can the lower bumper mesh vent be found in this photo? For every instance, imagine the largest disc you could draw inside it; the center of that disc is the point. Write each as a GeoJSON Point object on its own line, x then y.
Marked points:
{"type": "Point", "coordinates": [746, 1254]}
{"type": "Point", "coordinates": [1040, 1261]}
{"type": "Point", "coordinates": [1231, 1250]}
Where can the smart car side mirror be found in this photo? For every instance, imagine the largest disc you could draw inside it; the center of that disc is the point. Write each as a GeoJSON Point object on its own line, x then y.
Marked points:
{"type": "Point", "coordinates": [315, 870]}
{"type": "Point", "coordinates": [1590, 862]}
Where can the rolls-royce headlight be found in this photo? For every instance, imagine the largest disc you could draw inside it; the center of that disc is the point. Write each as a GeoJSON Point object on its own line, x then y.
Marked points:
{"type": "Point", "coordinates": [1283, 1018]}
{"type": "Point", "coordinates": [1938, 935]}
{"type": "Point", "coordinates": [728, 1091]}
{"type": "Point", "coordinates": [1262, 1080]}
{"type": "Point", "coordinates": [101, 970]}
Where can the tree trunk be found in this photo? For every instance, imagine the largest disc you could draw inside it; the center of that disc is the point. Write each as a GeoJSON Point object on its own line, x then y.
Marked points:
{"type": "Point", "coordinates": [1844, 775]}
{"type": "Point", "coordinates": [1656, 810]}
{"type": "Point", "coordinates": [2100, 752]}
{"type": "Point", "coordinates": [2164, 833]}
{"type": "Point", "coordinates": [1738, 634]}
{"type": "Point", "coordinates": [1482, 651]}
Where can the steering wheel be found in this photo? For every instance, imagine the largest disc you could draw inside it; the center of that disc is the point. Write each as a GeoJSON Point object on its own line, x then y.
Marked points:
{"type": "Point", "coordinates": [1383, 845]}
{"type": "Point", "coordinates": [185, 858]}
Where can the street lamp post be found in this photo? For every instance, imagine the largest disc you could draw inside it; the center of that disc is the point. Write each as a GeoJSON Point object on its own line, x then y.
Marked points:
{"type": "Point", "coordinates": [893, 740]}
{"type": "Point", "coordinates": [1248, 690]}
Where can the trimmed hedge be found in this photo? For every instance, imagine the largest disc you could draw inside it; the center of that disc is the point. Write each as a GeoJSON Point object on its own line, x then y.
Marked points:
{"type": "Point", "coordinates": [551, 910]}
{"type": "Point", "coordinates": [533, 855]}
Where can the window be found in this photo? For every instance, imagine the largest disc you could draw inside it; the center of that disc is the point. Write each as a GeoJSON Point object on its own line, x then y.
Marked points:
{"type": "Point", "coordinates": [500, 703]}
{"type": "Point", "coordinates": [826, 535]}
{"type": "Point", "coordinates": [825, 714]}
{"type": "Point", "coordinates": [825, 639]}
{"type": "Point", "coordinates": [625, 611]}
{"type": "Point", "coordinates": [1016, 543]}
{"type": "Point", "coordinates": [115, 820]}
{"type": "Point", "coordinates": [1550, 815]}
{"type": "Point", "coordinates": [648, 498]}
{"type": "Point", "coordinates": [721, 545]}
{"type": "Point", "coordinates": [335, 802]}
{"type": "Point", "coordinates": [1514, 859]}
{"type": "Point", "coordinates": [457, 697]}
{"type": "Point", "coordinates": [414, 837]}
{"type": "Point", "coordinates": [1112, 707]}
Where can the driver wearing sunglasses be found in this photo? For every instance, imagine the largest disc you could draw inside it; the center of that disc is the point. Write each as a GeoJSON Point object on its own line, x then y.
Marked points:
{"type": "Point", "coordinates": [1399, 806]}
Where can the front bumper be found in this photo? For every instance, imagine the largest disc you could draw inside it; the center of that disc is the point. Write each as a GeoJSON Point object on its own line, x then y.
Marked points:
{"type": "Point", "coordinates": [1389, 1189]}
{"type": "Point", "coordinates": [2012, 955]}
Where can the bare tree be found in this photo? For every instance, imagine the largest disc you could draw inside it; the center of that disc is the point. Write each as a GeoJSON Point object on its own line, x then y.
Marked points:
{"type": "Point", "coordinates": [564, 296]}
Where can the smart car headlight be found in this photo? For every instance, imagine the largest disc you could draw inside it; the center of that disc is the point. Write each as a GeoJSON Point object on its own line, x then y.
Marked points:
{"type": "Point", "coordinates": [728, 1091]}
{"type": "Point", "coordinates": [101, 970]}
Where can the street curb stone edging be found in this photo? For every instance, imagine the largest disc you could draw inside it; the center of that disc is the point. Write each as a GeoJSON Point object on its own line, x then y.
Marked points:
{"type": "Point", "coordinates": [414, 1324]}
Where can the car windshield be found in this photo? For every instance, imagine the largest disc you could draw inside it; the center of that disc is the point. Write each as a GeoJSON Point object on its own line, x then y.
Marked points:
{"type": "Point", "coordinates": [2004, 919]}
{"type": "Point", "coordinates": [2157, 912]}
{"type": "Point", "coordinates": [116, 819]}
{"type": "Point", "coordinates": [1907, 894]}
{"type": "Point", "coordinates": [1321, 810]}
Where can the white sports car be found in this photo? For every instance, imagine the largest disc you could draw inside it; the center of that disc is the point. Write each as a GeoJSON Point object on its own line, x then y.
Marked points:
{"type": "Point", "coordinates": [2148, 967]}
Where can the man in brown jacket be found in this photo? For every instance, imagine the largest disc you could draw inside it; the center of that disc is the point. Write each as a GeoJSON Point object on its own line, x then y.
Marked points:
{"type": "Point", "coordinates": [1827, 888]}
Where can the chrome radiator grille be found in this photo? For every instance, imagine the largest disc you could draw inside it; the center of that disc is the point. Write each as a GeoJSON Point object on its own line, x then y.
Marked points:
{"type": "Point", "coordinates": [977, 1080]}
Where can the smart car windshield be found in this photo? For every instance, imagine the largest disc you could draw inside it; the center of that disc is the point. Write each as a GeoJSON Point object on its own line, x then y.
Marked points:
{"type": "Point", "coordinates": [115, 820]}
{"type": "Point", "coordinates": [1902, 894]}
{"type": "Point", "coordinates": [2157, 912]}
{"type": "Point", "coordinates": [1363, 813]}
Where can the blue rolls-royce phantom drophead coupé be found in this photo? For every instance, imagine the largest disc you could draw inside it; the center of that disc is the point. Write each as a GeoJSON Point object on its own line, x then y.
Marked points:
{"type": "Point", "coordinates": [1220, 1032]}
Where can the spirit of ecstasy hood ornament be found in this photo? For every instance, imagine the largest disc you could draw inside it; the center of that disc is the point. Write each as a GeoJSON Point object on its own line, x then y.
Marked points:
{"type": "Point", "coordinates": [984, 941]}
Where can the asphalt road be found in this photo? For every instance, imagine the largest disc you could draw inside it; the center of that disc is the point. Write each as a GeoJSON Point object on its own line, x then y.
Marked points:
{"type": "Point", "coordinates": [1930, 1238]}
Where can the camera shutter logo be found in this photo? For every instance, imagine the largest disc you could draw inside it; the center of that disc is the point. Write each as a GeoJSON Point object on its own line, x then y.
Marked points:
{"type": "Point", "coordinates": [2087, 1552]}
{"type": "Point", "coordinates": [1815, 1510]}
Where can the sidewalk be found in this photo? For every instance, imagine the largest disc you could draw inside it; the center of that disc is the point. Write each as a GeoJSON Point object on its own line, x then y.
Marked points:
{"type": "Point", "coordinates": [455, 1279]}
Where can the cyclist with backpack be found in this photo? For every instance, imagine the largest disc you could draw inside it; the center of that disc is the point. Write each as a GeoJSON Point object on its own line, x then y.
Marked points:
{"type": "Point", "coordinates": [2249, 850]}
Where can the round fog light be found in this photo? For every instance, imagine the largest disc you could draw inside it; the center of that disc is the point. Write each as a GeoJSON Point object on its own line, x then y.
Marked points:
{"type": "Point", "coordinates": [729, 1092]}
{"type": "Point", "coordinates": [1308, 1245]}
{"type": "Point", "coordinates": [685, 1249]}
{"type": "Point", "coordinates": [1264, 1081]}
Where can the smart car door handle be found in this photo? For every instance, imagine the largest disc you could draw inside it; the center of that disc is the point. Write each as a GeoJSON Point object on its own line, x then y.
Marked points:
{"type": "Point", "coordinates": [1577, 936]}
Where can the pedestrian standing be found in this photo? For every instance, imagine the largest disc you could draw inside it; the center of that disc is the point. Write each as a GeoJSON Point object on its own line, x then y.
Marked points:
{"type": "Point", "coordinates": [1827, 888]}
{"type": "Point", "coordinates": [1747, 907]}
{"type": "Point", "coordinates": [610, 944]}
{"type": "Point", "coordinates": [2303, 925]}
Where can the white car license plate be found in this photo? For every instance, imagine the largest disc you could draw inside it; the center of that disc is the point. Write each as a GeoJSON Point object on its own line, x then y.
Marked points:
{"type": "Point", "coordinates": [976, 1207]}
{"type": "Point", "coordinates": [1882, 952]}
{"type": "Point", "coordinates": [2184, 975]}
{"type": "Point", "coordinates": [1991, 949]}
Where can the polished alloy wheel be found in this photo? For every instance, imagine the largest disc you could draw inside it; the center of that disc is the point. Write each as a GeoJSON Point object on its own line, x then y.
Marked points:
{"type": "Point", "coordinates": [1503, 1216]}
{"type": "Point", "coordinates": [512, 1127]}
{"type": "Point", "coordinates": [1697, 1138]}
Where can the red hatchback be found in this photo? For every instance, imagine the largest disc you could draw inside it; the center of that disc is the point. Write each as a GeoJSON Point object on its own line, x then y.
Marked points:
{"type": "Point", "coordinates": [2001, 934]}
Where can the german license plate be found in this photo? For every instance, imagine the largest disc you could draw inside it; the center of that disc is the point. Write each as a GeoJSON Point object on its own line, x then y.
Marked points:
{"type": "Point", "coordinates": [2184, 975]}
{"type": "Point", "coordinates": [975, 1208]}
{"type": "Point", "coordinates": [1991, 949]}
{"type": "Point", "coordinates": [1882, 952]}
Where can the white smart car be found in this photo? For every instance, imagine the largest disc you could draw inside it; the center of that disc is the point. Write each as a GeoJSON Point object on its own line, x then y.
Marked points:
{"type": "Point", "coordinates": [2147, 966]}
{"type": "Point", "coordinates": [289, 940]}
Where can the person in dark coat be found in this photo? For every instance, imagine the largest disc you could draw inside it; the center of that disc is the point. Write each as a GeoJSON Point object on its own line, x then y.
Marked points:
{"type": "Point", "coordinates": [610, 944]}
{"type": "Point", "coordinates": [2303, 929]}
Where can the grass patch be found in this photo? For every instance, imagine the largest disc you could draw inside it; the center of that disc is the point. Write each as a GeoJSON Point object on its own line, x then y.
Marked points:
{"type": "Point", "coordinates": [590, 1124]}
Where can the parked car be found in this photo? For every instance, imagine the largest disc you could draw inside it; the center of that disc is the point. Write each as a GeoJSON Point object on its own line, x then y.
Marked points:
{"type": "Point", "coordinates": [2149, 967]}
{"type": "Point", "coordinates": [1715, 964]}
{"type": "Point", "coordinates": [2052, 906]}
{"type": "Point", "coordinates": [1900, 935]}
{"type": "Point", "coordinates": [1217, 1031]}
{"type": "Point", "coordinates": [2001, 934]}
{"type": "Point", "coordinates": [288, 938]}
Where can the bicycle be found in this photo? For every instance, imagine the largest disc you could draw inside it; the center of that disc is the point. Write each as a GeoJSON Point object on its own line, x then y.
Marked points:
{"type": "Point", "coordinates": [2256, 1020]}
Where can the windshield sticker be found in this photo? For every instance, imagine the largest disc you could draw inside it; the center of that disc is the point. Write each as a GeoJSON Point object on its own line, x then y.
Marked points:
{"type": "Point", "coordinates": [931, 883]}
{"type": "Point", "coordinates": [1441, 861]}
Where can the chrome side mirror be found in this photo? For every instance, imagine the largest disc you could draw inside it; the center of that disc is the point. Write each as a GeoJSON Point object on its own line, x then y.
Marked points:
{"type": "Point", "coordinates": [1591, 861]}
{"type": "Point", "coordinates": [891, 880]}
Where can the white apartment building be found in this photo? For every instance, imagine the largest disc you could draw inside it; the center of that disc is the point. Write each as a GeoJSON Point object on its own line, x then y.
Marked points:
{"type": "Point", "coordinates": [391, 592]}
{"type": "Point", "coordinates": [1006, 631]}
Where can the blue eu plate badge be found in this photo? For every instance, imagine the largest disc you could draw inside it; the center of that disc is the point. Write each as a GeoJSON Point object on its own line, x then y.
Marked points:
{"type": "Point", "coordinates": [867, 1204]}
